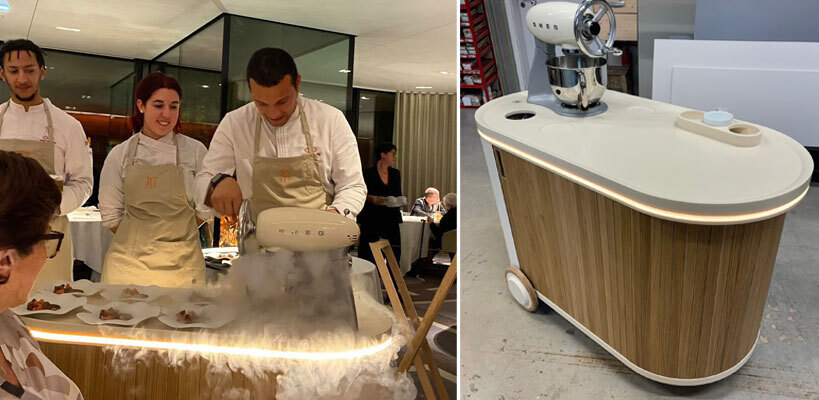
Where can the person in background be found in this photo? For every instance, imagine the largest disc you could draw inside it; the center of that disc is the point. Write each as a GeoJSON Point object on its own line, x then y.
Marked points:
{"type": "Point", "coordinates": [448, 222]}
{"type": "Point", "coordinates": [26, 241]}
{"type": "Point", "coordinates": [147, 194]}
{"type": "Point", "coordinates": [34, 127]}
{"type": "Point", "coordinates": [281, 149]}
{"type": "Point", "coordinates": [378, 220]}
{"type": "Point", "coordinates": [429, 205]}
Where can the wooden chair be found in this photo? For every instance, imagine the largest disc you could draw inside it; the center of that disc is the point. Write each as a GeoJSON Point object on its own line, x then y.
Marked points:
{"type": "Point", "coordinates": [418, 351]}
{"type": "Point", "coordinates": [449, 241]}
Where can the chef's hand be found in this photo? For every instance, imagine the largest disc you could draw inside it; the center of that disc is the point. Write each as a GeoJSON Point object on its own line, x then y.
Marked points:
{"type": "Point", "coordinates": [226, 198]}
{"type": "Point", "coordinates": [429, 219]}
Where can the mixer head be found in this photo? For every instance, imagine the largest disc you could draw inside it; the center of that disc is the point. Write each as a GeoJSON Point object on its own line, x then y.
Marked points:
{"type": "Point", "coordinates": [294, 229]}
{"type": "Point", "coordinates": [573, 27]}
{"type": "Point", "coordinates": [315, 280]}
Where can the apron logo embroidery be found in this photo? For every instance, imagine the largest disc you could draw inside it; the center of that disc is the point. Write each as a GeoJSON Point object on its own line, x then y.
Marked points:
{"type": "Point", "coordinates": [45, 138]}
{"type": "Point", "coordinates": [150, 183]}
{"type": "Point", "coordinates": [285, 174]}
{"type": "Point", "coordinates": [315, 150]}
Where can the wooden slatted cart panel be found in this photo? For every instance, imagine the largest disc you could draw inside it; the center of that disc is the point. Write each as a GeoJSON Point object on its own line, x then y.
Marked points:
{"type": "Point", "coordinates": [100, 377]}
{"type": "Point", "coordinates": [679, 300]}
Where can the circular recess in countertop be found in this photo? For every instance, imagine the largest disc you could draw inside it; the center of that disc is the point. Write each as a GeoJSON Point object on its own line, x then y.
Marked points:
{"type": "Point", "coordinates": [518, 115]}
{"type": "Point", "coordinates": [557, 129]}
{"type": "Point", "coordinates": [640, 110]}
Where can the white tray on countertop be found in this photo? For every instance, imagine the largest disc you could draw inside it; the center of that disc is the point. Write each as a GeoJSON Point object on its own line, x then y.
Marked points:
{"type": "Point", "coordinates": [139, 312]}
{"type": "Point", "coordinates": [210, 316]}
{"type": "Point", "coordinates": [114, 293]}
{"type": "Point", "coordinates": [217, 252]}
{"type": "Point", "coordinates": [89, 288]}
{"type": "Point", "coordinates": [66, 303]}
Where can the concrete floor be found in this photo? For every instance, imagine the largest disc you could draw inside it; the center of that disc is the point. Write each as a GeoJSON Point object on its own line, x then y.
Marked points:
{"type": "Point", "coordinates": [508, 353]}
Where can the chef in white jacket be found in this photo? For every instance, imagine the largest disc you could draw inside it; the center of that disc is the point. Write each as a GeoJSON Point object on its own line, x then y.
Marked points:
{"type": "Point", "coordinates": [281, 150]}
{"type": "Point", "coordinates": [32, 126]}
{"type": "Point", "coordinates": [147, 195]}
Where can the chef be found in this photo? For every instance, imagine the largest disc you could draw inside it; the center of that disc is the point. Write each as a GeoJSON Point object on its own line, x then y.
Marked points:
{"type": "Point", "coordinates": [32, 126]}
{"type": "Point", "coordinates": [281, 150]}
{"type": "Point", "coordinates": [147, 195]}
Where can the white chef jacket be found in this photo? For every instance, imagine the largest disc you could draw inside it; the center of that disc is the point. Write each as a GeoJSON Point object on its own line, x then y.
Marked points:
{"type": "Point", "coordinates": [71, 159]}
{"type": "Point", "coordinates": [231, 150]}
{"type": "Point", "coordinates": [149, 152]}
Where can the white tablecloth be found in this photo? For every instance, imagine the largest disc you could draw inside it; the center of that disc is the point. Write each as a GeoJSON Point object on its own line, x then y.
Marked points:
{"type": "Point", "coordinates": [91, 239]}
{"type": "Point", "coordinates": [413, 245]}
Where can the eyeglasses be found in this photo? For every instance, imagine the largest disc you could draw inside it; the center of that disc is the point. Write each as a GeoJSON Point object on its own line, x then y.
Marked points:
{"type": "Point", "coordinates": [53, 241]}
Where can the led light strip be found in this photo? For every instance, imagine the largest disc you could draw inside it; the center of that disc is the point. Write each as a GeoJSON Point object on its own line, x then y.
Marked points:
{"type": "Point", "coordinates": [71, 338]}
{"type": "Point", "coordinates": [648, 209]}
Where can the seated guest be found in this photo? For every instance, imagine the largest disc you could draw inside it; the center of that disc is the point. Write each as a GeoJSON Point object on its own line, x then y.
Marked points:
{"type": "Point", "coordinates": [428, 205]}
{"type": "Point", "coordinates": [448, 222]}
{"type": "Point", "coordinates": [26, 241]}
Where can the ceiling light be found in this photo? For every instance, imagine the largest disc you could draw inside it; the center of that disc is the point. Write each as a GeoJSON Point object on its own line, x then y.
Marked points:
{"type": "Point", "coordinates": [423, 87]}
{"type": "Point", "coordinates": [62, 28]}
{"type": "Point", "coordinates": [344, 71]}
{"type": "Point", "coordinates": [364, 98]}
{"type": "Point", "coordinates": [444, 73]}
{"type": "Point", "coordinates": [205, 86]}
{"type": "Point", "coordinates": [4, 7]}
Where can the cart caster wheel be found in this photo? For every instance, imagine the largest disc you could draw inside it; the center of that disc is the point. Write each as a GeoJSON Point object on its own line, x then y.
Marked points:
{"type": "Point", "coordinates": [521, 289]}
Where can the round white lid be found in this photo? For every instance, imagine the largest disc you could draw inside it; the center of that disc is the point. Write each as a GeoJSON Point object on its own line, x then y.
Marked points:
{"type": "Point", "coordinates": [718, 118]}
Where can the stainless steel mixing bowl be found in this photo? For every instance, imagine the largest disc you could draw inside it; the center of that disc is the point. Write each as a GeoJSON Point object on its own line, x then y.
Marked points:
{"type": "Point", "coordinates": [577, 80]}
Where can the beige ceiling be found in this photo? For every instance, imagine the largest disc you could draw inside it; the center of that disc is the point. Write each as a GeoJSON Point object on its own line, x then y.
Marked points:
{"type": "Point", "coordinates": [399, 44]}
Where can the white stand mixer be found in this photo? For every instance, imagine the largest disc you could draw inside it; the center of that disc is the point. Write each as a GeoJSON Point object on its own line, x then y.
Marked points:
{"type": "Point", "coordinates": [317, 283]}
{"type": "Point", "coordinates": [573, 84]}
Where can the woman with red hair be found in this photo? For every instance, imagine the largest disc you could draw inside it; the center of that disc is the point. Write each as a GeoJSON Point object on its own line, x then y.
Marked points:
{"type": "Point", "coordinates": [146, 194]}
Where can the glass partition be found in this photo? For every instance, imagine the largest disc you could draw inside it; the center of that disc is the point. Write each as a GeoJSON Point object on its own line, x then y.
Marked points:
{"type": "Point", "coordinates": [196, 63]}
{"type": "Point", "coordinates": [322, 58]}
{"type": "Point", "coordinates": [79, 82]}
{"type": "Point", "coordinates": [375, 121]}
{"type": "Point", "coordinates": [4, 92]}
{"type": "Point", "coordinates": [122, 96]}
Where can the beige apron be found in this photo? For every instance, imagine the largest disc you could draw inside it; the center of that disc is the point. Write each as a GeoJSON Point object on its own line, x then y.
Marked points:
{"type": "Point", "coordinates": [61, 267]}
{"type": "Point", "coordinates": [157, 242]}
{"type": "Point", "coordinates": [296, 182]}
{"type": "Point", "coordinates": [287, 181]}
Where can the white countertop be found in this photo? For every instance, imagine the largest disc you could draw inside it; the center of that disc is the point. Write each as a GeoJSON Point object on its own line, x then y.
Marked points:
{"type": "Point", "coordinates": [635, 151]}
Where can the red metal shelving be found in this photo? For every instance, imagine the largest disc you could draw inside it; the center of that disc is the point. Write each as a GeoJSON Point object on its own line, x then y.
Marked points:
{"type": "Point", "coordinates": [483, 69]}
